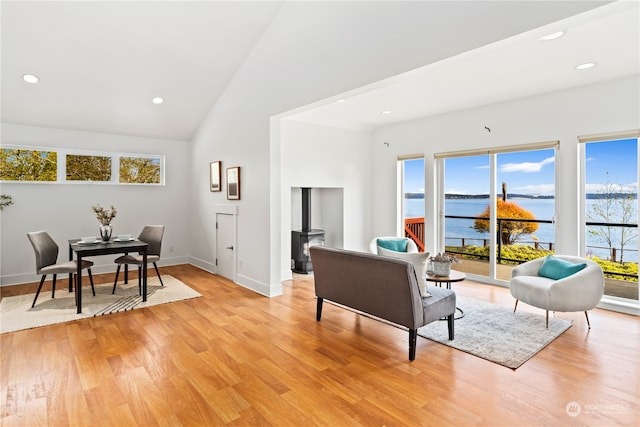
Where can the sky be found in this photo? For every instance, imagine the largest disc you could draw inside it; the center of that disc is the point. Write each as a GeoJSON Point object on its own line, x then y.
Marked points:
{"type": "Point", "coordinates": [533, 172]}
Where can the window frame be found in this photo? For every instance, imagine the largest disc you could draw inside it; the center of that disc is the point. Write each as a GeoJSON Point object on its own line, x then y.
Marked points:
{"type": "Point", "coordinates": [115, 157]}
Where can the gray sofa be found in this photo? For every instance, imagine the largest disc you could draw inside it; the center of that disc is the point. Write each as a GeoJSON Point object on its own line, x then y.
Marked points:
{"type": "Point", "coordinates": [381, 286]}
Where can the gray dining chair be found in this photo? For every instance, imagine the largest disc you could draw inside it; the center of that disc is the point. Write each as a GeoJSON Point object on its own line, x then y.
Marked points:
{"type": "Point", "coordinates": [151, 234]}
{"type": "Point", "coordinates": [46, 251]}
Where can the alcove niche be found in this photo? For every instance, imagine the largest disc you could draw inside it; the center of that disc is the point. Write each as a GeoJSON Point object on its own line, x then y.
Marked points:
{"type": "Point", "coordinates": [326, 212]}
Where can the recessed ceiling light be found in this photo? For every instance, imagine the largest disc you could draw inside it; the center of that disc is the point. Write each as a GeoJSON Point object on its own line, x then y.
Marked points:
{"type": "Point", "coordinates": [30, 78]}
{"type": "Point", "coordinates": [552, 36]}
{"type": "Point", "coordinates": [387, 112]}
{"type": "Point", "coordinates": [341, 100]}
{"type": "Point", "coordinates": [157, 100]}
{"type": "Point", "coordinates": [585, 66]}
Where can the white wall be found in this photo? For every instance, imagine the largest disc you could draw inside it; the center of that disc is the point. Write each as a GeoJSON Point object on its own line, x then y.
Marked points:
{"type": "Point", "coordinates": [323, 158]}
{"type": "Point", "coordinates": [563, 116]}
{"type": "Point", "coordinates": [310, 52]}
{"type": "Point", "coordinates": [64, 210]}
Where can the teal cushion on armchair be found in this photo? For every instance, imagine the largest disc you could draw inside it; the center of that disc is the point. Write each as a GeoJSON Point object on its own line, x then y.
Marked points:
{"type": "Point", "coordinates": [397, 245]}
{"type": "Point", "coordinates": [556, 269]}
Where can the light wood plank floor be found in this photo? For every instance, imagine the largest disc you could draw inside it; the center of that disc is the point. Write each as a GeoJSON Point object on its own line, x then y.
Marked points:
{"type": "Point", "coordinates": [235, 358]}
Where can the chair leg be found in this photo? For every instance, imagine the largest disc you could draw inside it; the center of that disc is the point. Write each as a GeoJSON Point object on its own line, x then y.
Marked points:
{"type": "Point", "coordinates": [516, 306]}
{"type": "Point", "coordinates": [547, 311]}
{"type": "Point", "coordinates": [53, 287]}
{"type": "Point", "coordinates": [140, 279]}
{"type": "Point", "coordinates": [158, 273]}
{"type": "Point", "coordinates": [91, 280]}
{"type": "Point", "coordinates": [116, 281]}
{"type": "Point", "coordinates": [587, 316]}
{"type": "Point", "coordinates": [38, 291]}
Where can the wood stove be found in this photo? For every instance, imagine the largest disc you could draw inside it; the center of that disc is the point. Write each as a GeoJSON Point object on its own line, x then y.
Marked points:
{"type": "Point", "coordinates": [302, 240]}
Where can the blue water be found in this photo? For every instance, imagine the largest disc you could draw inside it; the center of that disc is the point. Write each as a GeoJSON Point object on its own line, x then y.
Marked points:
{"type": "Point", "coordinates": [542, 209]}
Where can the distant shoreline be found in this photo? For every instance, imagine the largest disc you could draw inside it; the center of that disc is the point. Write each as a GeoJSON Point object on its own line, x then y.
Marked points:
{"type": "Point", "coordinates": [510, 196]}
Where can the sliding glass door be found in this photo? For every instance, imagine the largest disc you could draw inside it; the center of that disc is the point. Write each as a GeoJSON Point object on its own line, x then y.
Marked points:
{"type": "Point", "coordinates": [498, 209]}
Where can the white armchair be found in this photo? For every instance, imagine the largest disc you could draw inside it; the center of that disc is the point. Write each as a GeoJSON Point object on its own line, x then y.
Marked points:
{"type": "Point", "coordinates": [580, 291]}
{"type": "Point", "coordinates": [412, 248]}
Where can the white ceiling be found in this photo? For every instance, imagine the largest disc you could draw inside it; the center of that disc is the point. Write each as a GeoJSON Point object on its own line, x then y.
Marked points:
{"type": "Point", "coordinates": [514, 68]}
{"type": "Point", "coordinates": [100, 63]}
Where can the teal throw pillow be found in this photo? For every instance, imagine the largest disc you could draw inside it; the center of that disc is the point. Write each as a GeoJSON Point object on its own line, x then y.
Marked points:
{"type": "Point", "coordinates": [397, 245]}
{"type": "Point", "coordinates": [556, 269]}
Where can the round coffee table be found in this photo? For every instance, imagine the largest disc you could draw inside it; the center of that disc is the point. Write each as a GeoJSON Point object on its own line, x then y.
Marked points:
{"type": "Point", "coordinates": [454, 276]}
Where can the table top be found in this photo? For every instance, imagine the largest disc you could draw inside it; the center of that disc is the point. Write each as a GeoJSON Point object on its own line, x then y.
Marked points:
{"type": "Point", "coordinates": [106, 248]}
{"type": "Point", "coordinates": [454, 276]}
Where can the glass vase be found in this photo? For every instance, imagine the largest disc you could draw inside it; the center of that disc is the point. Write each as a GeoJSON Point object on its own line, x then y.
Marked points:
{"type": "Point", "coordinates": [105, 232]}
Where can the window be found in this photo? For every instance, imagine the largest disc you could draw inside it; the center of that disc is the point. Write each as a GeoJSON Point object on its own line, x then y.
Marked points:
{"type": "Point", "coordinates": [413, 199]}
{"type": "Point", "coordinates": [140, 170]}
{"type": "Point", "coordinates": [28, 165]}
{"type": "Point", "coordinates": [32, 164]}
{"type": "Point", "coordinates": [88, 168]}
{"type": "Point", "coordinates": [610, 183]}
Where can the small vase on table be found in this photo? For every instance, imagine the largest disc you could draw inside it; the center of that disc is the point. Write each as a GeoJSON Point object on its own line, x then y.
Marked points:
{"type": "Point", "coordinates": [441, 268]}
{"type": "Point", "coordinates": [105, 232]}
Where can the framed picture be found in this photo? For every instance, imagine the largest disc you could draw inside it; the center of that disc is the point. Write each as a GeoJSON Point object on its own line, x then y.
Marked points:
{"type": "Point", "coordinates": [233, 183]}
{"type": "Point", "coordinates": [215, 173]}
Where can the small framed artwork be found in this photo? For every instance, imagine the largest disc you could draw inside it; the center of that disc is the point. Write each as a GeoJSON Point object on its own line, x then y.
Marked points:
{"type": "Point", "coordinates": [233, 183]}
{"type": "Point", "coordinates": [214, 171]}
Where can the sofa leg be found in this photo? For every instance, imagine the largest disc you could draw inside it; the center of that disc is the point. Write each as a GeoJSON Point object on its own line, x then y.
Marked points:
{"type": "Point", "coordinates": [516, 306]}
{"type": "Point", "coordinates": [319, 309]}
{"type": "Point", "coordinates": [413, 338]}
{"type": "Point", "coordinates": [451, 325]}
{"type": "Point", "coordinates": [587, 316]}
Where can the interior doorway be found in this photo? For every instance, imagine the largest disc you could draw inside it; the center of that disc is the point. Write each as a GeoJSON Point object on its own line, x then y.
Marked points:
{"type": "Point", "coordinates": [226, 245]}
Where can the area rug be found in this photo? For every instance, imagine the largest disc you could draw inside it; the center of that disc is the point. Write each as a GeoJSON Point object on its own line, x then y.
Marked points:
{"type": "Point", "coordinates": [16, 312]}
{"type": "Point", "coordinates": [496, 333]}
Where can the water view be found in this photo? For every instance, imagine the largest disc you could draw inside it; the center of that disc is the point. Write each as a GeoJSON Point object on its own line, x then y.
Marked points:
{"type": "Point", "coordinates": [543, 209]}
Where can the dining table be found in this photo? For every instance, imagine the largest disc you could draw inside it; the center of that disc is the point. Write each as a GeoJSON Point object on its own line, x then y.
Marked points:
{"type": "Point", "coordinates": [83, 249]}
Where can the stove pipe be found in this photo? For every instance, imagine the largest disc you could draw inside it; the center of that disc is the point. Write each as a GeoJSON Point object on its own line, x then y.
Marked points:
{"type": "Point", "coordinates": [306, 209]}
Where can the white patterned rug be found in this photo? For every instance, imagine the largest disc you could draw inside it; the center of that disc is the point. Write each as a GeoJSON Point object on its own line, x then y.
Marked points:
{"type": "Point", "coordinates": [16, 312]}
{"type": "Point", "coordinates": [496, 333]}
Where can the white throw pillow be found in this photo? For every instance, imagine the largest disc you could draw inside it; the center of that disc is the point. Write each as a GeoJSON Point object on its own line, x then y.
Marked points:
{"type": "Point", "coordinates": [419, 261]}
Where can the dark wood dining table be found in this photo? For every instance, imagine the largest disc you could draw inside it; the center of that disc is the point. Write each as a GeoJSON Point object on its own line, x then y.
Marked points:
{"type": "Point", "coordinates": [111, 247]}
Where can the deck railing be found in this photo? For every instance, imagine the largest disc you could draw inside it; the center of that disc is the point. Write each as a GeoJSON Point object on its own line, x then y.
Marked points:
{"type": "Point", "coordinates": [414, 229]}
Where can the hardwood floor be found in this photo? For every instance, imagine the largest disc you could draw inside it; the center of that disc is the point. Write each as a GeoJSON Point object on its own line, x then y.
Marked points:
{"type": "Point", "coordinates": [236, 358]}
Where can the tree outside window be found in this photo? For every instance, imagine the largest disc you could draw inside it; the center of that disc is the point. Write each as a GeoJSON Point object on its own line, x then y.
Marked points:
{"type": "Point", "coordinates": [28, 165]}
{"type": "Point", "coordinates": [140, 170]}
{"type": "Point", "coordinates": [88, 168]}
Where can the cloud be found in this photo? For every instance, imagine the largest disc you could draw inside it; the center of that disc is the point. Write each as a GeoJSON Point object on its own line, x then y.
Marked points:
{"type": "Point", "coordinates": [482, 167]}
{"type": "Point", "coordinates": [526, 167]}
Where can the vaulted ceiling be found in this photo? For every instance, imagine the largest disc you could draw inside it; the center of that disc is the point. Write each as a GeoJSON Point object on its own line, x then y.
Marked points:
{"type": "Point", "coordinates": [100, 63]}
{"type": "Point", "coordinates": [514, 68]}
